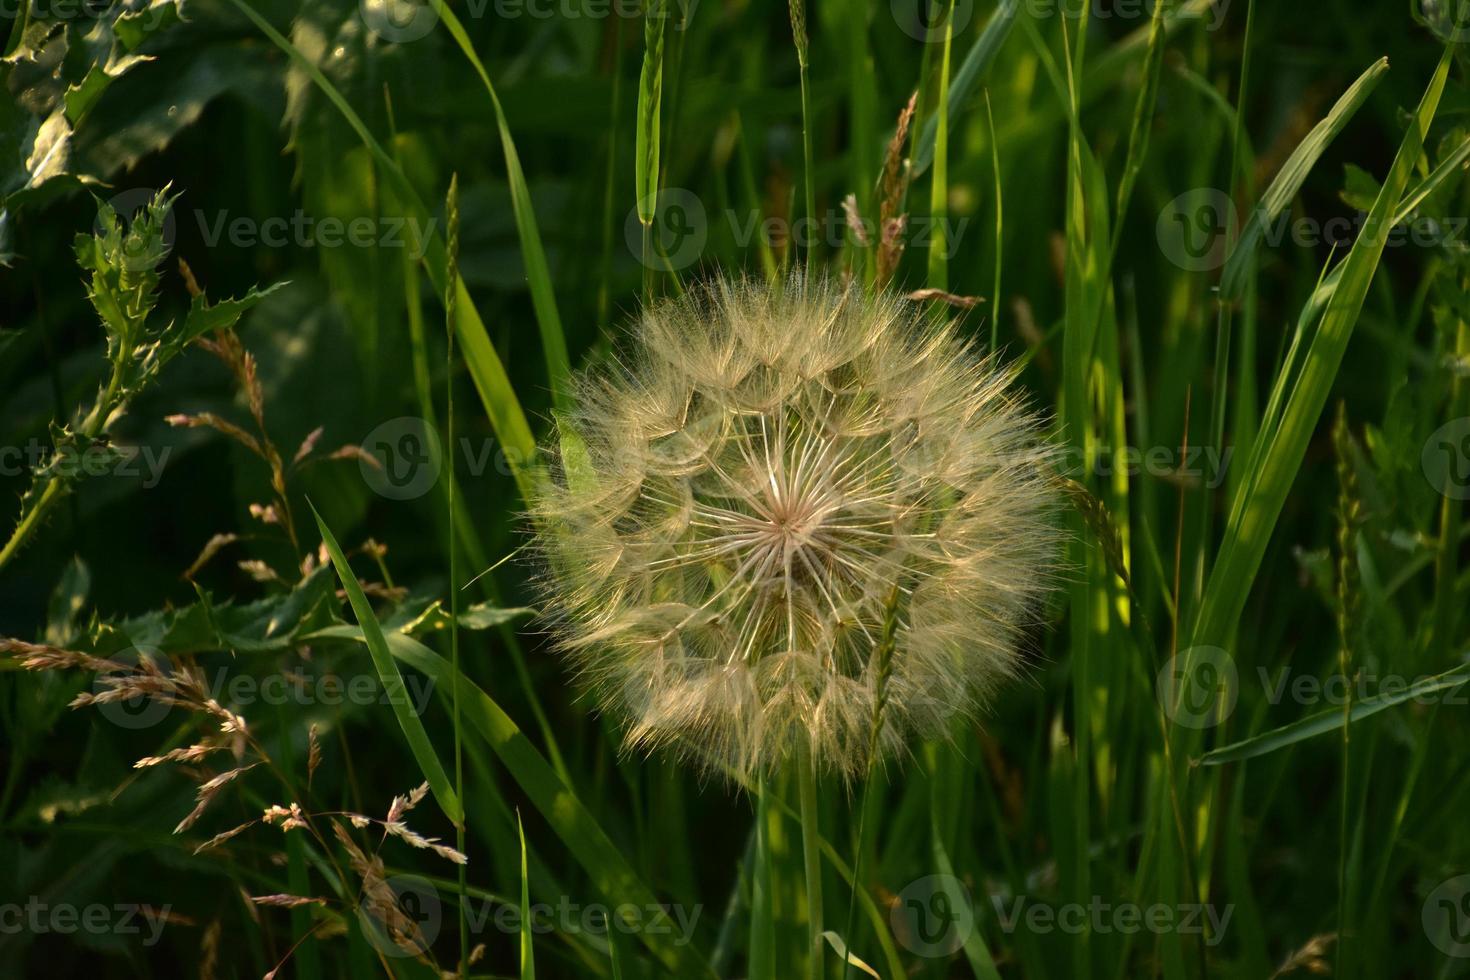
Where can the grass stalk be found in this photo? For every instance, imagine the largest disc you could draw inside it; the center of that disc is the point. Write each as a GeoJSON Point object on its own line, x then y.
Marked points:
{"type": "Point", "coordinates": [811, 852]}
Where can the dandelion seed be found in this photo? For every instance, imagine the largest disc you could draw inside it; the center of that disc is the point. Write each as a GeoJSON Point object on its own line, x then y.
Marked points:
{"type": "Point", "coordinates": [763, 486]}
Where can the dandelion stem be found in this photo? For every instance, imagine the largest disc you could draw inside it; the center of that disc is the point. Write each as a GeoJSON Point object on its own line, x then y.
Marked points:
{"type": "Point", "coordinates": [806, 782]}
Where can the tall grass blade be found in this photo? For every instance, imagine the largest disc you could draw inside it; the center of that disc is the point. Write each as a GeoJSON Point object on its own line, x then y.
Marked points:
{"type": "Point", "coordinates": [1279, 456]}
{"type": "Point", "coordinates": [387, 668]}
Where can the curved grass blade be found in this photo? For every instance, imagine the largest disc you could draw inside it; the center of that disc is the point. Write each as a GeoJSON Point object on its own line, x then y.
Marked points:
{"type": "Point", "coordinates": [1277, 458]}
{"type": "Point", "coordinates": [484, 364]}
{"type": "Point", "coordinates": [1293, 174]}
{"type": "Point", "coordinates": [585, 840]}
{"type": "Point", "coordinates": [538, 273]}
{"type": "Point", "coordinates": [979, 57]}
{"type": "Point", "coordinates": [412, 725]}
{"type": "Point", "coordinates": [1332, 719]}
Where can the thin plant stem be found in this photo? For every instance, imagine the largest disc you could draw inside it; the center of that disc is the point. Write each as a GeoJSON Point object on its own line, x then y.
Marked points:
{"type": "Point", "coordinates": [450, 308]}
{"type": "Point", "coordinates": [806, 782]}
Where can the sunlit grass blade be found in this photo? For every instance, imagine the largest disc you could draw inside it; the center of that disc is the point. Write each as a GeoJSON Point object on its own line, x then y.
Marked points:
{"type": "Point", "coordinates": [1334, 719]}
{"type": "Point", "coordinates": [538, 273]}
{"type": "Point", "coordinates": [1280, 455]}
{"type": "Point", "coordinates": [387, 668]}
{"type": "Point", "coordinates": [528, 952]}
{"type": "Point", "coordinates": [1293, 174]}
{"type": "Point", "coordinates": [971, 70]}
{"type": "Point", "coordinates": [484, 364]}
{"type": "Point", "coordinates": [609, 871]}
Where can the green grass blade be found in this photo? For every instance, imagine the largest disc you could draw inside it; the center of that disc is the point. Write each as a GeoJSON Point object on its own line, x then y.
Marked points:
{"type": "Point", "coordinates": [528, 953]}
{"type": "Point", "coordinates": [387, 667]}
{"type": "Point", "coordinates": [1264, 489]}
{"type": "Point", "coordinates": [538, 273]}
{"type": "Point", "coordinates": [939, 185]}
{"type": "Point", "coordinates": [611, 874]}
{"type": "Point", "coordinates": [1333, 719]}
{"type": "Point", "coordinates": [977, 954]}
{"type": "Point", "coordinates": [488, 373]}
{"type": "Point", "coordinates": [977, 60]}
{"type": "Point", "coordinates": [1289, 181]}
{"type": "Point", "coordinates": [649, 118]}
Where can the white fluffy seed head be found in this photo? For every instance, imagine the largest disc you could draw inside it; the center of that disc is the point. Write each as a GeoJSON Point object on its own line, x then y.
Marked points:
{"type": "Point", "coordinates": [782, 508]}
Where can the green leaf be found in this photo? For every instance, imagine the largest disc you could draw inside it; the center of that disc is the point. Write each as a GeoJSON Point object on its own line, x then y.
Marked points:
{"type": "Point", "coordinates": [977, 60]}
{"type": "Point", "coordinates": [1293, 173]}
{"type": "Point", "coordinates": [484, 364]}
{"type": "Point", "coordinates": [528, 952]}
{"type": "Point", "coordinates": [206, 317]}
{"type": "Point", "coordinates": [538, 273]}
{"type": "Point", "coordinates": [650, 97]}
{"type": "Point", "coordinates": [1278, 453]}
{"type": "Point", "coordinates": [411, 724]}
{"type": "Point", "coordinates": [1332, 719]}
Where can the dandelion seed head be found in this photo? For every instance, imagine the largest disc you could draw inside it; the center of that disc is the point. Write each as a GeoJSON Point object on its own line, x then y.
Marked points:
{"type": "Point", "coordinates": [759, 490]}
